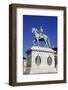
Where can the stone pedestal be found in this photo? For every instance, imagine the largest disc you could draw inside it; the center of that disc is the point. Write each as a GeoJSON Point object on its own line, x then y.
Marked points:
{"type": "Point", "coordinates": [41, 60]}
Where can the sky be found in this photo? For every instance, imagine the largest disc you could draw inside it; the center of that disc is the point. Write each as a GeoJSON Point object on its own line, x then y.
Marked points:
{"type": "Point", "coordinates": [49, 25]}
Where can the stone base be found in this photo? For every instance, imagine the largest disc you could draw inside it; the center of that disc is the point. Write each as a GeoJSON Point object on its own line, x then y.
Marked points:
{"type": "Point", "coordinates": [43, 67]}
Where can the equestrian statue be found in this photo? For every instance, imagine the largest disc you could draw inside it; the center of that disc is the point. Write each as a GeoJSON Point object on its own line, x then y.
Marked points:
{"type": "Point", "coordinates": [40, 36]}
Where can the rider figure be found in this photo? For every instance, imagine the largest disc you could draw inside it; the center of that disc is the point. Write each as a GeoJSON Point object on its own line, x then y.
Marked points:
{"type": "Point", "coordinates": [41, 31]}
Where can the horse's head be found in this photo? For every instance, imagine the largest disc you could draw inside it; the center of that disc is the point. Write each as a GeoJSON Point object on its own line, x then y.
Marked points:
{"type": "Point", "coordinates": [33, 30]}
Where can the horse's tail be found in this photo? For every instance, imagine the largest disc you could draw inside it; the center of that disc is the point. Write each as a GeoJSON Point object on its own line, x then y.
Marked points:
{"type": "Point", "coordinates": [49, 44]}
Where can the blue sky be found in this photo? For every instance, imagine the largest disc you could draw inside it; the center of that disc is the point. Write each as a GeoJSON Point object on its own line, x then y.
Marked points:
{"type": "Point", "coordinates": [49, 25]}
